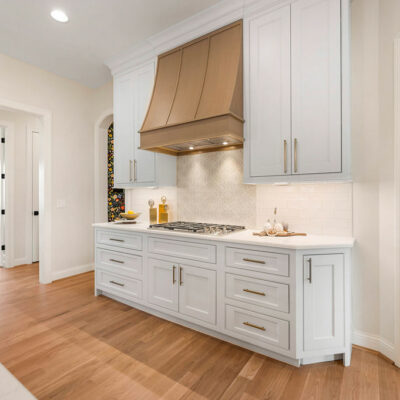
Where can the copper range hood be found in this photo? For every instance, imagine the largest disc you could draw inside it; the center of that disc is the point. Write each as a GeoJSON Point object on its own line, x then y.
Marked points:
{"type": "Point", "coordinates": [197, 100]}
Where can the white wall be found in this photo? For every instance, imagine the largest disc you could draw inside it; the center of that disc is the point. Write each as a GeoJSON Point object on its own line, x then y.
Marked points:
{"type": "Point", "coordinates": [72, 108]}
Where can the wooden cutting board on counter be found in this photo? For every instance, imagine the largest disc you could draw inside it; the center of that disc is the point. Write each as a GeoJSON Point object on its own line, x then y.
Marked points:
{"type": "Point", "coordinates": [281, 234]}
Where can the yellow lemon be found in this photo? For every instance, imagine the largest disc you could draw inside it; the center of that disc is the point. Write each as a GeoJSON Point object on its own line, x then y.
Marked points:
{"type": "Point", "coordinates": [130, 212]}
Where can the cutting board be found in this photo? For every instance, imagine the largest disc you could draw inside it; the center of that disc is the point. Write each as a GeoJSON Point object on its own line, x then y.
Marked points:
{"type": "Point", "coordinates": [281, 234]}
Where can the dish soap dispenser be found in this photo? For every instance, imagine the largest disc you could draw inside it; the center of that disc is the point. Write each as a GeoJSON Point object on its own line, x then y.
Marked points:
{"type": "Point", "coordinates": [163, 211]}
{"type": "Point", "coordinates": [152, 212]}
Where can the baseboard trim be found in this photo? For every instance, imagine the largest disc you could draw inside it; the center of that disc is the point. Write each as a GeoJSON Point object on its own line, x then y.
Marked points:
{"type": "Point", "coordinates": [376, 343]}
{"type": "Point", "coordinates": [20, 261]}
{"type": "Point", "coordinates": [65, 273]}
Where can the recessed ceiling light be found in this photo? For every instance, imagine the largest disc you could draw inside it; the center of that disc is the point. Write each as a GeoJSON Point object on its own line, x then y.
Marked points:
{"type": "Point", "coordinates": [224, 143]}
{"type": "Point", "coordinates": [59, 15]}
{"type": "Point", "coordinates": [191, 148]}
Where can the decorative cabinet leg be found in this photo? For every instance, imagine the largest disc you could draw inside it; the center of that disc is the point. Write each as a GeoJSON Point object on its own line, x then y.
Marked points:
{"type": "Point", "coordinates": [347, 358]}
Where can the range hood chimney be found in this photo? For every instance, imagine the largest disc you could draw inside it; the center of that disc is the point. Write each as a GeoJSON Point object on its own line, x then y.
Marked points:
{"type": "Point", "coordinates": [197, 101]}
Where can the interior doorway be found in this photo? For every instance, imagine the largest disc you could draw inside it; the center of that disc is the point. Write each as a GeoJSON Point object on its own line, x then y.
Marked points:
{"type": "Point", "coordinates": [17, 251]}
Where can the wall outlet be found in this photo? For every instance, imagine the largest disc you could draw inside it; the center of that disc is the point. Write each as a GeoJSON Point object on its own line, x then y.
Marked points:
{"type": "Point", "coordinates": [61, 203]}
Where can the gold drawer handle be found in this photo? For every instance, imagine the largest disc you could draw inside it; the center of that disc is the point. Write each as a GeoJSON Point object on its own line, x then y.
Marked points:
{"type": "Point", "coordinates": [261, 328]}
{"type": "Point", "coordinates": [173, 275]}
{"type": "Point", "coordinates": [117, 240]}
{"type": "Point", "coordinates": [117, 261]}
{"type": "Point", "coordinates": [254, 292]}
{"type": "Point", "coordinates": [254, 261]}
{"type": "Point", "coordinates": [180, 276]}
{"type": "Point", "coordinates": [117, 283]}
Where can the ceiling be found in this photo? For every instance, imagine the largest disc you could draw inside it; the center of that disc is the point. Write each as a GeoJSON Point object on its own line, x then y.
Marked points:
{"type": "Point", "coordinates": [97, 30]}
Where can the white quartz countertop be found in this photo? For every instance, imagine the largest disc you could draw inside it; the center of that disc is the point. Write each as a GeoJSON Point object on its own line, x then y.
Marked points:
{"type": "Point", "coordinates": [244, 237]}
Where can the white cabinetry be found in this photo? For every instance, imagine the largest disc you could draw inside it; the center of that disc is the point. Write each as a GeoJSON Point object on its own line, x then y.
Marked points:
{"type": "Point", "coordinates": [184, 288]}
{"type": "Point", "coordinates": [297, 85]}
{"type": "Point", "coordinates": [197, 292]}
{"type": "Point", "coordinates": [133, 166]}
{"type": "Point", "coordinates": [290, 304]}
{"type": "Point", "coordinates": [324, 316]}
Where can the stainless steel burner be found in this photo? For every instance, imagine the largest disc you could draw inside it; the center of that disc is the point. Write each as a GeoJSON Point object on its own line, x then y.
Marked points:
{"type": "Point", "coordinates": [197, 227]}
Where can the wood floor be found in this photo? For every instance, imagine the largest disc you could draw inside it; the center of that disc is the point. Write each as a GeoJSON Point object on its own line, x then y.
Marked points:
{"type": "Point", "coordinates": [61, 342]}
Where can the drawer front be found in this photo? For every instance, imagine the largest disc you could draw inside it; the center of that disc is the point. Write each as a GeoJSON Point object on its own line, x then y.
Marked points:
{"type": "Point", "coordinates": [121, 263]}
{"type": "Point", "coordinates": [116, 238]}
{"type": "Point", "coordinates": [131, 289]}
{"type": "Point", "coordinates": [258, 292]}
{"type": "Point", "coordinates": [252, 326]}
{"type": "Point", "coordinates": [261, 261]}
{"type": "Point", "coordinates": [183, 249]}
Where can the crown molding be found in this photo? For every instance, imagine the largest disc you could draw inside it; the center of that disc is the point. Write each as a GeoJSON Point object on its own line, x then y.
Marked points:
{"type": "Point", "coordinates": [214, 17]}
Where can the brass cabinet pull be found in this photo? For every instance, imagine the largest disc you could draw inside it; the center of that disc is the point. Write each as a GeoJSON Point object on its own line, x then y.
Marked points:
{"type": "Point", "coordinates": [254, 292]}
{"type": "Point", "coordinates": [117, 240]}
{"type": "Point", "coordinates": [130, 170]}
{"type": "Point", "coordinates": [285, 156]}
{"type": "Point", "coordinates": [261, 328]}
{"type": "Point", "coordinates": [180, 276]}
{"type": "Point", "coordinates": [309, 270]}
{"type": "Point", "coordinates": [117, 261]}
{"type": "Point", "coordinates": [254, 261]}
{"type": "Point", "coordinates": [173, 275]}
{"type": "Point", "coordinates": [117, 283]}
{"type": "Point", "coordinates": [134, 171]}
{"type": "Point", "coordinates": [295, 155]}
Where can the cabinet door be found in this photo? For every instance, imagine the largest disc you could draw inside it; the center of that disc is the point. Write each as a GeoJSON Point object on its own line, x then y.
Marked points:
{"type": "Point", "coordinates": [269, 94]}
{"type": "Point", "coordinates": [197, 293]}
{"type": "Point", "coordinates": [323, 301]}
{"type": "Point", "coordinates": [163, 284]}
{"type": "Point", "coordinates": [145, 169]}
{"type": "Point", "coordinates": [316, 87]}
{"type": "Point", "coordinates": [123, 130]}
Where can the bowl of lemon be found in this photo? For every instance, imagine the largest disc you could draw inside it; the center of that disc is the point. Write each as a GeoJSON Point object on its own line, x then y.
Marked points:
{"type": "Point", "coordinates": [130, 215]}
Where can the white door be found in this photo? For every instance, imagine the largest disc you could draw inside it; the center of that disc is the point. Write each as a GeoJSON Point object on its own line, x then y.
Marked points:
{"type": "Point", "coordinates": [269, 94]}
{"type": "Point", "coordinates": [145, 168]}
{"type": "Point", "coordinates": [123, 131]}
{"type": "Point", "coordinates": [316, 87]}
{"type": "Point", "coordinates": [35, 196]}
{"type": "Point", "coordinates": [323, 301]}
{"type": "Point", "coordinates": [163, 283]}
{"type": "Point", "coordinates": [2, 196]}
{"type": "Point", "coordinates": [197, 293]}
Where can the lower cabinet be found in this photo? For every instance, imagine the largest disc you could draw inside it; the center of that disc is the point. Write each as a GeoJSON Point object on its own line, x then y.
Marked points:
{"type": "Point", "coordinates": [324, 293]}
{"type": "Point", "coordinates": [184, 288]}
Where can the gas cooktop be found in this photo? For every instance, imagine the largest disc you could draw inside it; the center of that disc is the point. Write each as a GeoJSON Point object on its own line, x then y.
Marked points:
{"type": "Point", "coordinates": [197, 227]}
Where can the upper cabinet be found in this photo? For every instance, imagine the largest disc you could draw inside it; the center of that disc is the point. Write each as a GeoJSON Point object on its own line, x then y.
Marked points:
{"type": "Point", "coordinates": [296, 83]}
{"type": "Point", "coordinates": [134, 167]}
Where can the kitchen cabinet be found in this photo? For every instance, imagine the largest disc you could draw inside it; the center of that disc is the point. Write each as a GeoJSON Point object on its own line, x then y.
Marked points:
{"type": "Point", "coordinates": [197, 293]}
{"type": "Point", "coordinates": [296, 69]}
{"type": "Point", "coordinates": [287, 300]}
{"type": "Point", "coordinates": [187, 289]}
{"type": "Point", "coordinates": [324, 317]}
{"type": "Point", "coordinates": [132, 166]}
{"type": "Point", "coordinates": [163, 284]}
{"type": "Point", "coordinates": [269, 81]}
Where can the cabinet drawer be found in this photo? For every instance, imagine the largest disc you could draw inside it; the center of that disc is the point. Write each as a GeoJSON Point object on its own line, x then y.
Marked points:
{"type": "Point", "coordinates": [116, 238]}
{"type": "Point", "coordinates": [252, 326]}
{"type": "Point", "coordinates": [122, 263]}
{"type": "Point", "coordinates": [258, 292]}
{"type": "Point", "coordinates": [261, 261]}
{"type": "Point", "coordinates": [119, 285]}
{"type": "Point", "coordinates": [183, 249]}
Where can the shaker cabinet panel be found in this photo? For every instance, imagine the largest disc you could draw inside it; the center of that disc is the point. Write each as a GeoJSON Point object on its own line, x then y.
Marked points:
{"type": "Point", "coordinates": [324, 311]}
{"type": "Point", "coordinates": [269, 95]}
{"type": "Point", "coordinates": [198, 293]}
{"type": "Point", "coordinates": [123, 130]}
{"type": "Point", "coordinates": [316, 87]}
{"type": "Point", "coordinates": [145, 161]}
{"type": "Point", "coordinates": [163, 283]}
